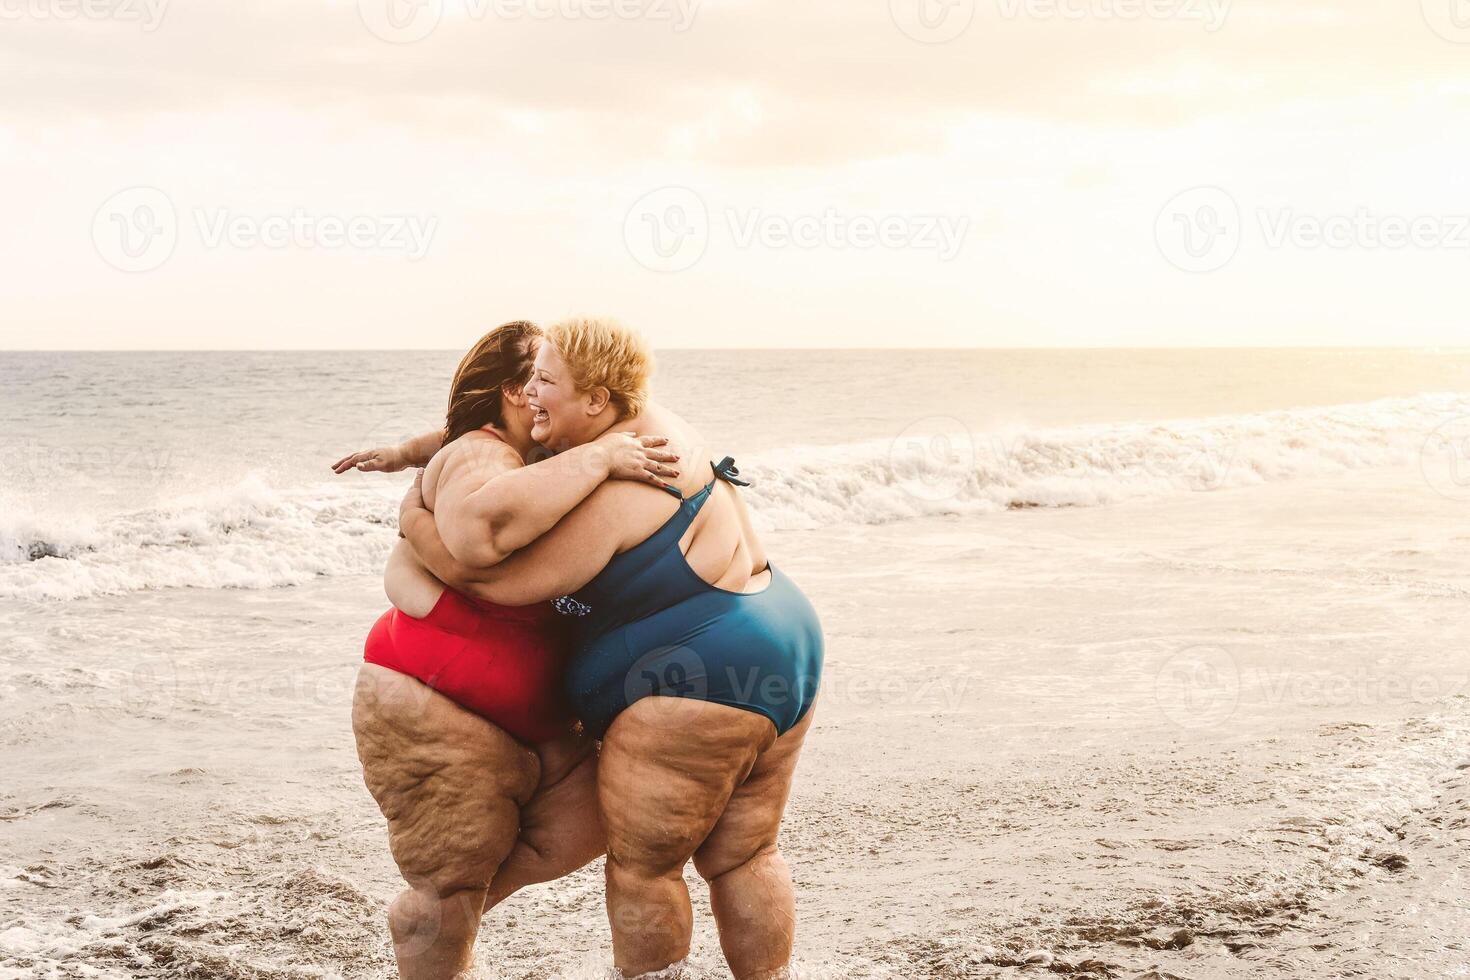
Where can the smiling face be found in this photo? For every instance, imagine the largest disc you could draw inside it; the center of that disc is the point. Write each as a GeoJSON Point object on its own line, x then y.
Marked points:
{"type": "Point", "coordinates": [564, 415]}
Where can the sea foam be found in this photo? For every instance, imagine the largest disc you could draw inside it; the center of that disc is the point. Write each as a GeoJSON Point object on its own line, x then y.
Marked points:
{"type": "Point", "coordinates": [252, 535]}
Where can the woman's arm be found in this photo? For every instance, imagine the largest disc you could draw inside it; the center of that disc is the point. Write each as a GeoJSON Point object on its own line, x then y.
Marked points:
{"type": "Point", "coordinates": [557, 563]}
{"type": "Point", "coordinates": [487, 506]}
{"type": "Point", "coordinates": [416, 526]}
{"type": "Point", "coordinates": [408, 585]}
{"type": "Point", "coordinates": [390, 459]}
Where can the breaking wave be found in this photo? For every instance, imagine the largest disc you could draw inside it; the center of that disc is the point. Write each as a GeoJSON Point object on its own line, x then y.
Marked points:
{"type": "Point", "coordinates": [254, 535]}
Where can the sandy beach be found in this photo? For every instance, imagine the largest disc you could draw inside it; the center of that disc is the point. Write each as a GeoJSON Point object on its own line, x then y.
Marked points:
{"type": "Point", "coordinates": [1137, 741]}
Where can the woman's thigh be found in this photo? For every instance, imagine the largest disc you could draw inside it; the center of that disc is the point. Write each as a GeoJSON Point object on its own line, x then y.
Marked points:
{"type": "Point", "coordinates": [450, 783]}
{"type": "Point", "coordinates": [751, 821]}
{"type": "Point", "coordinates": [667, 770]}
{"type": "Point", "coordinates": [560, 827]}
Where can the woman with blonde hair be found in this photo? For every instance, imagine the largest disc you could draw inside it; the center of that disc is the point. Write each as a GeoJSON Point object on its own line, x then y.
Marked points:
{"type": "Point", "coordinates": [695, 661]}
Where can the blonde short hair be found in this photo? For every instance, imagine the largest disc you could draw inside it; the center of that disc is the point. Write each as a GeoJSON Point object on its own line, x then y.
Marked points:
{"type": "Point", "coordinates": [602, 353]}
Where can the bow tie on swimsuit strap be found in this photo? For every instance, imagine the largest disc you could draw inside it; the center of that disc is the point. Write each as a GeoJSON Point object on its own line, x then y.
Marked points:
{"type": "Point", "coordinates": [725, 470]}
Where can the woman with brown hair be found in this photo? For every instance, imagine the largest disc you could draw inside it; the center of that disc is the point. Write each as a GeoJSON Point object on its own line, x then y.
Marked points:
{"type": "Point", "coordinates": [466, 739]}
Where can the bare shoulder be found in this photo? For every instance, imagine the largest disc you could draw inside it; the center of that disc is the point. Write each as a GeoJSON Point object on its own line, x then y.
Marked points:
{"type": "Point", "coordinates": [625, 511]}
{"type": "Point", "coordinates": [468, 463]}
{"type": "Point", "coordinates": [684, 439]}
{"type": "Point", "coordinates": [479, 445]}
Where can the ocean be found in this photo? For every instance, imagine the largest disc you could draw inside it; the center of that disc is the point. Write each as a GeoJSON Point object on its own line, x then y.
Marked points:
{"type": "Point", "coordinates": [1140, 663]}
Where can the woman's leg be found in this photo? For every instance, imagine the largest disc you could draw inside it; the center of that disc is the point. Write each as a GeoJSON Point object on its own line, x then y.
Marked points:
{"type": "Point", "coordinates": [451, 785]}
{"type": "Point", "coordinates": [560, 827]}
{"type": "Point", "coordinates": [668, 768]}
{"type": "Point", "coordinates": [749, 881]}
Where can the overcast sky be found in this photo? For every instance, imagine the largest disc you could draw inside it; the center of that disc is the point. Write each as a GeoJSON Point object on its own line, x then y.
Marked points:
{"type": "Point", "coordinates": [391, 173]}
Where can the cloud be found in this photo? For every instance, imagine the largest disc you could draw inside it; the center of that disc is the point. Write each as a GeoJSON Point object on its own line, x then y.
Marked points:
{"type": "Point", "coordinates": [756, 83]}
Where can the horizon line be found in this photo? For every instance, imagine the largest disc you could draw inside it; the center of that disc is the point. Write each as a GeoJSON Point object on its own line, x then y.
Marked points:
{"type": "Point", "coordinates": [1427, 348]}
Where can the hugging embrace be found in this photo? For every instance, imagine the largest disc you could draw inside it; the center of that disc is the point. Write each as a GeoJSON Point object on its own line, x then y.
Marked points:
{"type": "Point", "coordinates": [588, 653]}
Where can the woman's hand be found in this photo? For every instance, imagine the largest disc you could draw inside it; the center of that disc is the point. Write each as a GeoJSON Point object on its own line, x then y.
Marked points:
{"type": "Point", "coordinates": [413, 500]}
{"type": "Point", "coordinates": [640, 458]}
{"type": "Point", "coordinates": [388, 459]}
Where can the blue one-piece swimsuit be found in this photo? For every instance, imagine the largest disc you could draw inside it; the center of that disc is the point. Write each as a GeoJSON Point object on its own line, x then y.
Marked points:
{"type": "Point", "coordinates": [648, 625]}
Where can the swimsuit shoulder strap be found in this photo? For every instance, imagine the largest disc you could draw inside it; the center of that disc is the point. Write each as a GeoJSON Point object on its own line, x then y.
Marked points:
{"type": "Point", "coordinates": [667, 537]}
{"type": "Point", "coordinates": [725, 470]}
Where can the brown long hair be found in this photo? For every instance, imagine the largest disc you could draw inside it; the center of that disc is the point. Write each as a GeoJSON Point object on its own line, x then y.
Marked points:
{"type": "Point", "coordinates": [500, 360]}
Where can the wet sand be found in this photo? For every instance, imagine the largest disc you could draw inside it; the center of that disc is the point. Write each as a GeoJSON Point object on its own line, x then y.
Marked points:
{"type": "Point", "coordinates": [1221, 735]}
